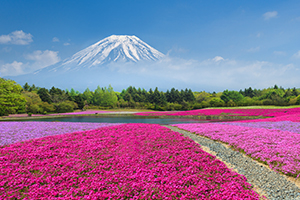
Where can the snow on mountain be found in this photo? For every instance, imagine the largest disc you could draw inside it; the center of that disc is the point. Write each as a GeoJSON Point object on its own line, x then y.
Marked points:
{"type": "Point", "coordinates": [115, 48]}
{"type": "Point", "coordinates": [90, 66]}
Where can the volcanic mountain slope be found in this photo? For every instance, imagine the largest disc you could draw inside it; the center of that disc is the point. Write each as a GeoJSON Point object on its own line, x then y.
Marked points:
{"type": "Point", "coordinates": [113, 49]}
{"type": "Point", "coordinates": [114, 60]}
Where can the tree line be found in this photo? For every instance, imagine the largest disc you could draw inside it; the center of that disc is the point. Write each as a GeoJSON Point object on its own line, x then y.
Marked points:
{"type": "Point", "coordinates": [31, 99]}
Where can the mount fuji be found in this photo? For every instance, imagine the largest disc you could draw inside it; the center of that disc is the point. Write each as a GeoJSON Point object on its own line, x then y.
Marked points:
{"type": "Point", "coordinates": [115, 60]}
{"type": "Point", "coordinates": [113, 49]}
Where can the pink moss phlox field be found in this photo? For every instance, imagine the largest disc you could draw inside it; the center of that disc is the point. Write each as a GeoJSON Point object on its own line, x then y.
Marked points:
{"type": "Point", "coordinates": [11, 132]}
{"type": "Point", "coordinates": [279, 149]}
{"type": "Point", "coordinates": [280, 125]}
{"type": "Point", "coordinates": [129, 161]}
{"type": "Point", "coordinates": [292, 118]}
{"type": "Point", "coordinates": [239, 112]}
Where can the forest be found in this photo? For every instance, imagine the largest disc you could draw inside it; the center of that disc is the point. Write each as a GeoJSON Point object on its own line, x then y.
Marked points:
{"type": "Point", "coordinates": [30, 99]}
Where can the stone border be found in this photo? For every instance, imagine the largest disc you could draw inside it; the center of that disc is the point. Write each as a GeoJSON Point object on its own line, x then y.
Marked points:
{"type": "Point", "coordinates": [265, 181]}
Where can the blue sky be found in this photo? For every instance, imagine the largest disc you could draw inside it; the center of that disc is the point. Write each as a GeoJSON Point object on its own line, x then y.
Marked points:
{"type": "Point", "coordinates": [252, 39]}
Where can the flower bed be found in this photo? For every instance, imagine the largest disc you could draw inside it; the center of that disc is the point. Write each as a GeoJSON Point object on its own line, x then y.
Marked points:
{"type": "Point", "coordinates": [11, 132]}
{"type": "Point", "coordinates": [292, 118]}
{"type": "Point", "coordinates": [139, 161]}
{"type": "Point", "coordinates": [280, 125]}
{"type": "Point", "coordinates": [229, 112]}
{"type": "Point", "coordinates": [278, 149]}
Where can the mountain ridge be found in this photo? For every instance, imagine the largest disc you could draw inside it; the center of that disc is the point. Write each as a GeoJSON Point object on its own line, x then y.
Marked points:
{"type": "Point", "coordinates": [112, 49]}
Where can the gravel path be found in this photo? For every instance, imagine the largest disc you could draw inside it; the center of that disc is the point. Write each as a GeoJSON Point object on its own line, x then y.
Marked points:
{"type": "Point", "coordinates": [267, 182]}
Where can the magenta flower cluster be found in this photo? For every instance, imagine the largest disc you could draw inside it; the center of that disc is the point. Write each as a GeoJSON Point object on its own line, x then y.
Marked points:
{"type": "Point", "coordinates": [280, 125]}
{"type": "Point", "coordinates": [292, 118]}
{"type": "Point", "coordinates": [230, 112]}
{"type": "Point", "coordinates": [279, 149]}
{"type": "Point", "coordinates": [129, 161]}
{"type": "Point", "coordinates": [11, 132]}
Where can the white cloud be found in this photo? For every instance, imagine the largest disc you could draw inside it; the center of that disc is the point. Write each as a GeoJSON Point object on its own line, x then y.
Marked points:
{"type": "Point", "coordinates": [43, 58]}
{"type": "Point", "coordinates": [7, 49]}
{"type": "Point", "coordinates": [217, 58]}
{"type": "Point", "coordinates": [37, 60]}
{"type": "Point", "coordinates": [270, 15]}
{"type": "Point", "coordinates": [16, 37]}
{"type": "Point", "coordinates": [279, 53]}
{"type": "Point", "coordinates": [212, 75]}
{"type": "Point", "coordinates": [11, 69]}
{"type": "Point", "coordinates": [258, 35]}
{"type": "Point", "coordinates": [254, 49]}
{"type": "Point", "coordinates": [66, 44]}
{"type": "Point", "coordinates": [297, 55]}
{"type": "Point", "coordinates": [296, 19]}
{"type": "Point", "coordinates": [55, 39]}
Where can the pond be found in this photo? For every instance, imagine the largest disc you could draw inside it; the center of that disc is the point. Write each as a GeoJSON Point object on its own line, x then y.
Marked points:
{"type": "Point", "coordinates": [127, 119]}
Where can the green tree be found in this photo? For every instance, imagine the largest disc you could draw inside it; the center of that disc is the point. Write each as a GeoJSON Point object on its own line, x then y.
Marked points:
{"type": "Point", "coordinates": [295, 92]}
{"type": "Point", "coordinates": [79, 100]}
{"type": "Point", "coordinates": [32, 88]}
{"type": "Point", "coordinates": [11, 99]}
{"type": "Point", "coordinates": [44, 95]}
{"type": "Point", "coordinates": [216, 102]}
{"type": "Point", "coordinates": [231, 95]}
{"type": "Point", "coordinates": [45, 106]}
{"type": "Point", "coordinates": [88, 95]}
{"type": "Point", "coordinates": [65, 106]}
{"type": "Point", "coordinates": [105, 97]}
{"type": "Point", "coordinates": [298, 100]}
{"type": "Point", "coordinates": [32, 101]}
{"type": "Point", "coordinates": [26, 87]}
{"type": "Point", "coordinates": [109, 98]}
{"type": "Point", "coordinates": [203, 96]}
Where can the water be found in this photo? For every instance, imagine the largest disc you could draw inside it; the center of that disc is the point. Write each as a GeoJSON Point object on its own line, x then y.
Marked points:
{"type": "Point", "coordinates": [127, 119]}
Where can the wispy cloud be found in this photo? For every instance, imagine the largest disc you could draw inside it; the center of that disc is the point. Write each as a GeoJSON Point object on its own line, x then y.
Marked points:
{"type": "Point", "coordinates": [258, 35]}
{"type": "Point", "coordinates": [254, 49]}
{"type": "Point", "coordinates": [297, 55]}
{"type": "Point", "coordinates": [11, 69]}
{"type": "Point", "coordinates": [270, 15]}
{"type": "Point", "coordinates": [43, 58]}
{"type": "Point", "coordinates": [16, 37]}
{"type": "Point", "coordinates": [36, 60]}
{"type": "Point", "coordinates": [55, 39]}
{"type": "Point", "coordinates": [296, 19]}
{"type": "Point", "coordinates": [218, 58]}
{"type": "Point", "coordinates": [7, 49]}
{"type": "Point", "coordinates": [220, 75]}
{"type": "Point", "coordinates": [279, 53]}
{"type": "Point", "coordinates": [66, 44]}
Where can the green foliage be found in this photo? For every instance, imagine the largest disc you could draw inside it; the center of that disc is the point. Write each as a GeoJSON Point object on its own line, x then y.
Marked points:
{"type": "Point", "coordinates": [65, 106]}
{"type": "Point", "coordinates": [42, 100]}
{"type": "Point", "coordinates": [105, 97]}
{"type": "Point", "coordinates": [46, 107]}
{"type": "Point", "coordinates": [231, 95]}
{"type": "Point", "coordinates": [26, 87]}
{"type": "Point", "coordinates": [205, 104]}
{"type": "Point", "coordinates": [34, 108]}
{"type": "Point", "coordinates": [203, 96]}
{"type": "Point", "coordinates": [87, 96]}
{"type": "Point", "coordinates": [44, 95]}
{"type": "Point", "coordinates": [298, 100]}
{"type": "Point", "coordinates": [11, 99]}
{"type": "Point", "coordinates": [216, 102]}
{"type": "Point", "coordinates": [231, 103]}
{"type": "Point", "coordinates": [32, 100]}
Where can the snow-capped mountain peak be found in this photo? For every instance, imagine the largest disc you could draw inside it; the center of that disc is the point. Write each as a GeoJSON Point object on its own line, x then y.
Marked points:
{"type": "Point", "coordinates": [114, 48]}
